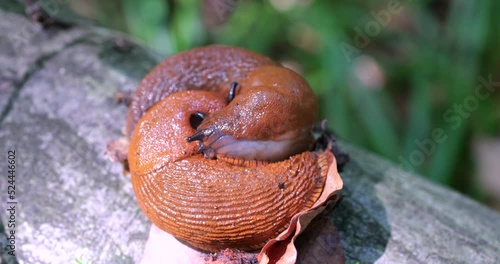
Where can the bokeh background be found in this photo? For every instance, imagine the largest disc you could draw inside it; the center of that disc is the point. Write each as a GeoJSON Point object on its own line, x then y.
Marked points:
{"type": "Point", "coordinates": [417, 82]}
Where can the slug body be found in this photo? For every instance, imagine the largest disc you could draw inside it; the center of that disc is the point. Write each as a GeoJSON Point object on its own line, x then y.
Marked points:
{"type": "Point", "coordinates": [249, 171]}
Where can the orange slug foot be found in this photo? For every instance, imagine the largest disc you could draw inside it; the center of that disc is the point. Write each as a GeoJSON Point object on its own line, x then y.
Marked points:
{"type": "Point", "coordinates": [260, 177]}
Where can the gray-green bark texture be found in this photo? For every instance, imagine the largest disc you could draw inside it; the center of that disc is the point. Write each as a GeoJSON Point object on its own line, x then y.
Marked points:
{"type": "Point", "coordinates": [58, 112]}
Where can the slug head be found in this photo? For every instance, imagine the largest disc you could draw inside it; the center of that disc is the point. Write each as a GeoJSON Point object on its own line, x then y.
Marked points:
{"type": "Point", "coordinates": [270, 118]}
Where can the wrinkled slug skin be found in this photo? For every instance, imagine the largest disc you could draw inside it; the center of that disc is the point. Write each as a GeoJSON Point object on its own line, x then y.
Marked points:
{"type": "Point", "coordinates": [210, 68]}
{"type": "Point", "coordinates": [213, 204]}
{"type": "Point", "coordinates": [161, 134]}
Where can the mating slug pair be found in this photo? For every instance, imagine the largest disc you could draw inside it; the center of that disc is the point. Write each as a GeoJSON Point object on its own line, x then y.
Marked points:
{"type": "Point", "coordinates": [221, 147]}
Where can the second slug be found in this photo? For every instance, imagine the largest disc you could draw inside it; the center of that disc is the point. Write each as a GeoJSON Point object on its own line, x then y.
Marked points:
{"type": "Point", "coordinates": [220, 147]}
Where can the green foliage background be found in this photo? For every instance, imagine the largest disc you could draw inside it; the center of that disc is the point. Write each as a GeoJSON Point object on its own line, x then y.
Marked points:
{"type": "Point", "coordinates": [424, 61]}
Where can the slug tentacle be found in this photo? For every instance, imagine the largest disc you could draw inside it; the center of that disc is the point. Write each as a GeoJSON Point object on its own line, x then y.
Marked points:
{"type": "Point", "coordinates": [202, 134]}
{"type": "Point", "coordinates": [232, 92]}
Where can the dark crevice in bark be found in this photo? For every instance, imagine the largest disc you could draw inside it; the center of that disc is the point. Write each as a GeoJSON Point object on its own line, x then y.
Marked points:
{"type": "Point", "coordinates": [35, 67]}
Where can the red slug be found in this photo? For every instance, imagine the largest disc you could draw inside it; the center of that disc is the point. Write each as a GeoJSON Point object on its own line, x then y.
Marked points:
{"type": "Point", "coordinates": [220, 147]}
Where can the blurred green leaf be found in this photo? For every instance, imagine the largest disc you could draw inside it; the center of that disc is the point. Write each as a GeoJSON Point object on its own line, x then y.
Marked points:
{"type": "Point", "coordinates": [147, 21]}
{"type": "Point", "coordinates": [187, 31]}
{"type": "Point", "coordinates": [469, 21]}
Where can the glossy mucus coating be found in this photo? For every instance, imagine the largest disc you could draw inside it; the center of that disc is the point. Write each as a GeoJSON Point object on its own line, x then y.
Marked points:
{"type": "Point", "coordinates": [211, 68]}
{"type": "Point", "coordinates": [256, 171]}
{"type": "Point", "coordinates": [271, 118]}
{"type": "Point", "coordinates": [214, 204]}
